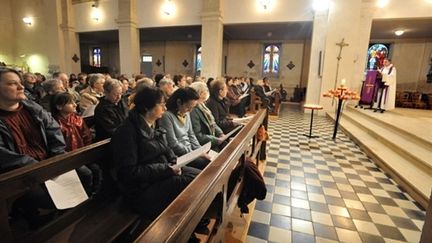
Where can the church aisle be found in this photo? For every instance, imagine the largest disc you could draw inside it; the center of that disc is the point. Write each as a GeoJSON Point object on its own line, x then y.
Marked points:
{"type": "Point", "coordinates": [320, 190]}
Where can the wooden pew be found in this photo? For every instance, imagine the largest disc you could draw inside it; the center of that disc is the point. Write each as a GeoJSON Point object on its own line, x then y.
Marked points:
{"type": "Point", "coordinates": [99, 219]}
{"type": "Point", "coordinates": [103, 219]}
{"type": "Point", "coordinates": [255, 102]}
{"type": "Point", "coordinates": [277, 102]}
{"type": "Point", "coordinates": [208, 192]}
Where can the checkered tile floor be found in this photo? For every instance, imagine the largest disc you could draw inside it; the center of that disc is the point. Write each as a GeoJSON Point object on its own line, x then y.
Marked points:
{"type": "Point", "coordinates": [320, 190]}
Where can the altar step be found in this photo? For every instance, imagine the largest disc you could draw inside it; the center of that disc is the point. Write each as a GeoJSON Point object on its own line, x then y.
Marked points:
{"type": "Point", "coordinates": [400, 145]}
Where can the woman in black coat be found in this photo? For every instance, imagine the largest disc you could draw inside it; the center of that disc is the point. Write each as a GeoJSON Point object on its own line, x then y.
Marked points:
{"type": "Point", "coordinates": [143, 161]}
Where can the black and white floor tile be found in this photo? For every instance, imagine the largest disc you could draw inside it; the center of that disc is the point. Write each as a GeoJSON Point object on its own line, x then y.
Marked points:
{"type": "Point", "coordinates": [321, 190]}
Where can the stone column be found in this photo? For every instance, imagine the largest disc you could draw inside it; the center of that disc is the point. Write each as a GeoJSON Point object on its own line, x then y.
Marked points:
{"type": "Point", "coordinates": [318, 45]}
{"type": "Point", "coordinates": [69, 41]}
{"type": "Point", "coordinates": [350, 21]}
{"type": "Point", "coordinates": [212, 38]}
{"type": "Point", "coordinates": [129, 41]}
{"type": "Point", "coordinates": [368, 9]}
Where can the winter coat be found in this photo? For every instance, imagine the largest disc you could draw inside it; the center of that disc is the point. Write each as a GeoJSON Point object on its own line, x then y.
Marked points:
{"type": "Point", "coordinates": [75, 131]}
{"type": "Point", "coordinates": [220, 111]}
{"type": "Point", "coordinates": [201, 128]}
{"type": "Point", "coordinates": [141, 155]}
{"type": "Point", "coordinates": [53, 138]}
{"type": "Point", "coordinates": [108, 116]}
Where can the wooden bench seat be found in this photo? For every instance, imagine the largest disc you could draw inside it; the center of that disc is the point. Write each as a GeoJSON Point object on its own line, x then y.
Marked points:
{"type": "Point", "coordinates": [209, 191]}
{"type": "Point", "coordinates": [104, 218]}
{"type": "Point", "coordinates": [98, 219]}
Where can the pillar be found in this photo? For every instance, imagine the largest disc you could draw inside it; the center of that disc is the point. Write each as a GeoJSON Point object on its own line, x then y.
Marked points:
{"type": "Point", "coordinates": [211, 38]}
{"type": "Point", "coordinates": [69, 41]}
{"type": "Point", "coordinates": [129, 41]}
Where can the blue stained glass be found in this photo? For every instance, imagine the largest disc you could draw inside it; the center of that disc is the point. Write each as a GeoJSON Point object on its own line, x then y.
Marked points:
{"type": "Point", "coordinates": [198, 60]}
{"type": "Point", "coordinates": [275, 63]}
{"type": "Point", "coordinates": [376, 55]}
{"type": "Point", "coordinates": [271, 59]}
{"type": "Point", "coordinates": [266, 63]}
{"type": "Point", "coordinates": [96, 57]}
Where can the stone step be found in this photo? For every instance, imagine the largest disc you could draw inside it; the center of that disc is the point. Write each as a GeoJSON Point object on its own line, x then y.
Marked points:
{"type": "Point", "coordinates": [404, 142]}
{"type": "Point", "coordinates": [400, 153]}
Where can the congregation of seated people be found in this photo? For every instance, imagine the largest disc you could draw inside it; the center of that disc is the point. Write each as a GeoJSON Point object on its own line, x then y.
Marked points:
{"type": "Point", "coordinates": [151, 122]}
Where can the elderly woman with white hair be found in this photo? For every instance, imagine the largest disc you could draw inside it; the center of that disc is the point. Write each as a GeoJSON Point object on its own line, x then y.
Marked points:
{"type": "Point", "coordinates": [203, 123]}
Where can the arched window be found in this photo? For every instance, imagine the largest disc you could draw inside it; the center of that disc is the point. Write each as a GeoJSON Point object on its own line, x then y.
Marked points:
{"type": "Point", "coordinates": [271, 59]}
{"type": "Point", "coordinates": [376, 55]}
{"type": "Point", "coordinates": [198, 65]}
{"type": "Point", "coordinates": [96, 56]}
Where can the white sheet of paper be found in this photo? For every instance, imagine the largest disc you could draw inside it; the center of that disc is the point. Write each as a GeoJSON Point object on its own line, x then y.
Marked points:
{"type": "Point", "coordinates": [243, 119]}
{"type": "Point", "coordinates": [89, 111]}
{"type": "Point", "coordinates": [243, 96]}
{"type": "Point", "coordinates": [66, 190]}
{"type": "Point", "coordinates": [189, 157]}
{"type": "Point", "coordinates": [226, 136]}
{"type": "Point", "coordinates": [212, 154]}
{"type": "Point", "coordinates": [270, 92]}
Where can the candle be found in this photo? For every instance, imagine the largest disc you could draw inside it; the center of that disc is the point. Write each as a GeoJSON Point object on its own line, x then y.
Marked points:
{"type": "Point", "coordinates": [343, 81]}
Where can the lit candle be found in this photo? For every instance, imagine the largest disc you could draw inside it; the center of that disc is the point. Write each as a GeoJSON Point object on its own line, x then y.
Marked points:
{"type": "Point", "coordinates": [343, 81]}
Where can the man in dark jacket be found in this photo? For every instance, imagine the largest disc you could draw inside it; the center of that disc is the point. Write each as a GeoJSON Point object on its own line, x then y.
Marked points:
{"type": "Point", "coordinates": [218, 107]}
{"type": "Point", "coordinates": [111, 111]}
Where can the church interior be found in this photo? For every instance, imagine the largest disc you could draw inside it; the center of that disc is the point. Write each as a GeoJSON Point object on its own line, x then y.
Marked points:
{"type": "Point", "coordinates": [365, 175]}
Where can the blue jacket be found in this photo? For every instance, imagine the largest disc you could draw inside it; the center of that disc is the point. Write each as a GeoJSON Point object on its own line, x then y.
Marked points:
{"type": "Point", "coordinates": [53, 138]}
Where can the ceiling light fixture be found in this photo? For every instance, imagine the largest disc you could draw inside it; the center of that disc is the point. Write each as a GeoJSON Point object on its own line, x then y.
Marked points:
{"type": "Point", "coordinates": [28, 20]}
{"type": "Point", "coordinates": [169, 8]}
{"type": "Point", "coordinates": [321, 5]}
{"type": "Point", "coordinates": [382, 3]}
{"type": "Point", "coordinates": [399, 32]}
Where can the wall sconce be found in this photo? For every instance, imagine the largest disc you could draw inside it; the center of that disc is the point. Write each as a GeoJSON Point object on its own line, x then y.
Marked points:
{"type": "Point", "coordinates": [28, 20]}
{"type": "Point", "coordinates": [382, 3]}
{"type": "Point", "coordinates": [321, 5]}
{"type": "Point", "coordinates": [96, 13]}
{"type": "Point", "coordinates": [264, 4]}
{"type": "Point", "coordinates": [168, 8]}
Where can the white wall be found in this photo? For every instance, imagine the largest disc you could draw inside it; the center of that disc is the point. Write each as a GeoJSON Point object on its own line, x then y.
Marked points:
{"type": "Point", "coordinates": [109, 12]}
{"type": "Point", "coordinates": [405, 9]}
{"type": "Point", "coordinates": [249, 11]}
{"type": "Point", "coordinates": [7, 38]}
{"type": "Point", "coordinates": [40, 41]}
{"type": "Point", "coordinates": [150, 13]}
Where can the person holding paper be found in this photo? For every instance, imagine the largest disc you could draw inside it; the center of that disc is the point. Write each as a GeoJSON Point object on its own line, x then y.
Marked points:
{"type": "Point", "coordinates": [143, 162]}
{"type": "Point", "coordinates": [237, 105]}
{"type": "Point", "coordinates": [218, 106]}
{"type": "Point", "coordinates": [203, 123]}
{"type": "Point", "coordinates": [176, 121]}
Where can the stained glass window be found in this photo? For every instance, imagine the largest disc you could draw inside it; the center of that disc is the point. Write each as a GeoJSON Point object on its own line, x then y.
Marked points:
{"type": "Point", "coordinates": [271, 59]}
{"type": "Point", "coordinates": [96, 57]}
{"type": "Point", "coordinates": [376, 55]}
{"type": "Point", "coordinates": [198, 59]}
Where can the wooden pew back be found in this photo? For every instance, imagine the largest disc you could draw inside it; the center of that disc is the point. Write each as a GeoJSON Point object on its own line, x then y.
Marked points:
{"type": "Point", "coordinates": [17, 182]}
{"type": "Point", "coordinates": [178, 221]}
